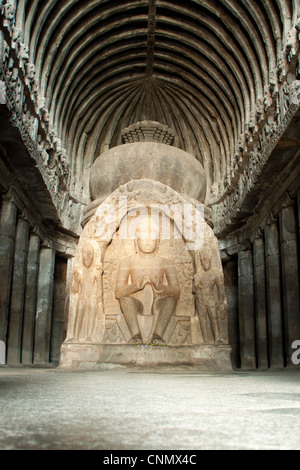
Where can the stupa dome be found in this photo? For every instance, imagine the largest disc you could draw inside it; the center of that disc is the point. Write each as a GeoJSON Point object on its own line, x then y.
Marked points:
{"type": "Point", "coordinates": [147, 160]}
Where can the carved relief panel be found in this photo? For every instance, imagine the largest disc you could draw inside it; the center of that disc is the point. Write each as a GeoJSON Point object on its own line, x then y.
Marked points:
{"type": "Point", "coordinates": [151, 288]}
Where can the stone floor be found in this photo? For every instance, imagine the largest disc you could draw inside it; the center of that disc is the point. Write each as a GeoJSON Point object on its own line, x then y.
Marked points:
{"type": "Point", "coordinates": [50, 409]}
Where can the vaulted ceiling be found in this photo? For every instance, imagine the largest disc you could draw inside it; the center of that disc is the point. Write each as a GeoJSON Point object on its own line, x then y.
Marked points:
{"type": "Point", "coordinates": [198, 66]}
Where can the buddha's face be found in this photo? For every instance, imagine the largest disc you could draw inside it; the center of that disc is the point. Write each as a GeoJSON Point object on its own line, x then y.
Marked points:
{"type": "Point", "coordinates": [147, 237]}
{"type": "Point", "coordinates": [206, 263]}
{"type": "Point", "coordinates": [87, 255]}
{"type": "Point", "coordinates": [147, 245]}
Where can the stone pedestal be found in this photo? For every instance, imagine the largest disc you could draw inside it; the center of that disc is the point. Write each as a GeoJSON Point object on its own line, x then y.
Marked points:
{"type": "Point", "coordinates": [206, 358]}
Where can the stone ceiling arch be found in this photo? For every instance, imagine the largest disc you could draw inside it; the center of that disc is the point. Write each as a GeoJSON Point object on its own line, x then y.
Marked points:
{"type": "Point", "coordinates": [202, 67]}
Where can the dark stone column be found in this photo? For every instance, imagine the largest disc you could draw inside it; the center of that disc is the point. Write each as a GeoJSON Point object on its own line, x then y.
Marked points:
{"type": "Point", "coordinates": [1, 46]}
{"type": "Point", "coordinates": [58, 316]}
{"type": "Point", "coordinates": [30, 299]}
{"type": "Point", "coordinates": [8, 221]}
{"type": "Point", "coordinates": [274, 294]}
{"type": "Point", "coordinates": [260, 302]}
{"type": "Point", "coordinates": [246, 310]}
{"type": "Point", "coordinates": [67, 297]}
{"type": "Point", "coordinates": [67, 325]}
{"type": "Point", "coordinates": [231, 288]}
{"type": "Point", "coordinates": [290, 276]}
{"type": "Point", "coordinates": [298, 207]}
{"type": "Point", "coordinates": [44, 306]}
{"type": "Point", "coordinates": [68, 288]}
{"type": "Point", "coordinates": [17, 294]}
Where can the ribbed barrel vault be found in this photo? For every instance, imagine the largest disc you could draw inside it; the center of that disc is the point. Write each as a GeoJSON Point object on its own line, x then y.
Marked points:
{"type": "Point", "coordinates": [199, 67]}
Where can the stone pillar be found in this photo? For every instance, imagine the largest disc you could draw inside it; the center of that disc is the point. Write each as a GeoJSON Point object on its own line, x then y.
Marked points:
{"type": "Point", "coordinates": [231, 288]}
{"type": "Point", "coordinates": [17, 294]}
{"type": "Point", "coordinates": [298, 207]}
{"type": "Point", "coordinates": [274, 294]}
{"type": "Point", "coordinates": [2, 353]}
{"type": "Point", "coordinates": [44, 306]}
{"type": "Point", "coordinates": [260, 302]}
{"type": "Point", "coordinates": [30, 299]}
{"type": "Point", "coordinates": [290, 276]}
{"type": "Point", "coordinates": [246, 310]}
{"type": "Point", "coordinates": [1, 46]}
{"type": "Point", "coordinates": [70, 266]}
{"type": "Point", "coordinates": [58, 315]}
{"type": "Point", "coordinates": [69, 324]}
{"type": "Point", "coordinates": [8, 222]}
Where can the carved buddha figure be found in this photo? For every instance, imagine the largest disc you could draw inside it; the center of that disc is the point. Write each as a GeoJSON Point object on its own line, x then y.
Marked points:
{"type": "Point", "coordinates": [210, 296]}
{"type": "Point", "coordinates": [145, 268]}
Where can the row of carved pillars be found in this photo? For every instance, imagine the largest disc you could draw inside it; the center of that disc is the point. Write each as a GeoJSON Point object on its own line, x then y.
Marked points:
{"type": "Point", "coordinates": [262, 282]}
{"type": "Point", "coordinates": [33, 288]}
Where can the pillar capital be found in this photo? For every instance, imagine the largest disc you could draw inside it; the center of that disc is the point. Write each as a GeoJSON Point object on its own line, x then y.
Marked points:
{"type": "Point", "coordinates": [257, 234]}
{"type": "Point", "coordinates": [272, 219]}
{"type": "Point", "coordinates": [287, 201]}
{"type": "Point", "coordinates": [12, 196]}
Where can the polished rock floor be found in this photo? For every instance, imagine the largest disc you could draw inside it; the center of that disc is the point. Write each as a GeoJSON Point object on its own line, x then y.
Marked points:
{"type": "Point", "coordinates": [50, 409]}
